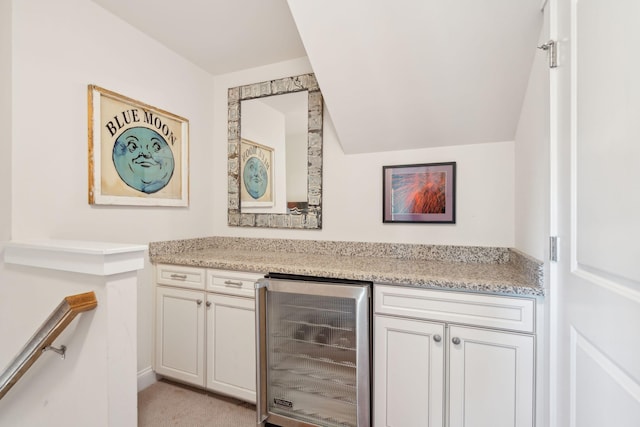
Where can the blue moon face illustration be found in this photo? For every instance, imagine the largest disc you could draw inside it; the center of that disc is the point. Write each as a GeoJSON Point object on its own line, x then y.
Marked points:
{"type": "Point", "coordinates": [143, 159]}
{"type": "Point", "coordinates": [255, 177]}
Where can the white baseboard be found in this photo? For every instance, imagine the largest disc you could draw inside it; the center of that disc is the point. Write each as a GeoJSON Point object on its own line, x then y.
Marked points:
{"type": "Point", "coordinates": [146, 377]}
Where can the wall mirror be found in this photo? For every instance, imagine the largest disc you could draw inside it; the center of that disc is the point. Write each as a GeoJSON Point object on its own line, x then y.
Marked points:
{"type": "Point", "coordinates": [275, 154]}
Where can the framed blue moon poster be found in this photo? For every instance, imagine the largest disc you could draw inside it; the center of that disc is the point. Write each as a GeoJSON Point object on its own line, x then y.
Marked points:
{"type": "Point", "coordinates": [138, 154]}
{"type": "Point", "coordinates": [256, 175]}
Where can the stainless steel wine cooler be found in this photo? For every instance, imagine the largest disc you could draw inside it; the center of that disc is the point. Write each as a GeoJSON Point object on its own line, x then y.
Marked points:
{"type": "Point", "coordinates": [313, 345]}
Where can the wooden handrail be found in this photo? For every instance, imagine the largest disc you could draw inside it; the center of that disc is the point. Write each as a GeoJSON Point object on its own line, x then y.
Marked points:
{"type": "Point", "coordinates": [59, 319]}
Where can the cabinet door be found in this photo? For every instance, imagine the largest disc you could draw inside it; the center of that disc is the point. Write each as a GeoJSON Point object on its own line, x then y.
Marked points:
{"type": "Point", "coordinates": [491, 377]}
{"type": "Point", "coordinates": [231, 346]}
{"type": "Point", "coordinates": [408, 373]}
{"type": "Point", "coordinates": [180, 334]}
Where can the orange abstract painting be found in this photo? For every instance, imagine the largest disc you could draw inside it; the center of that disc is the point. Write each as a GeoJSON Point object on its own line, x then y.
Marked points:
{"type": "Point", "coordinates": [419, 193]}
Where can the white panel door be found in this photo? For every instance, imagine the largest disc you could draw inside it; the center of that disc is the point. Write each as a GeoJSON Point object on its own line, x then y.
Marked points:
{"type": "Point", "coordinates": [491, 378]}
{"type": "Point", "coordinates": [408, 373]}
{"type": "Point", "coordinates": [231, 346]}
{"type": "Point", "coordinates": [180, 334]}
{"type": "Point", "coordinates": [595, 286]}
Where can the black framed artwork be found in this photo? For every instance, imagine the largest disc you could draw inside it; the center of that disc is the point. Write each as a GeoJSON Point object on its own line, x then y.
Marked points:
{"type": "Point", "coordinates": [423, 193]}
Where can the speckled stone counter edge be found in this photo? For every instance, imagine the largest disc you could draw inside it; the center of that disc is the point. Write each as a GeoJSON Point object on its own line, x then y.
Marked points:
{"type": "Point", "coordinates": [531, 268]}
{"type": "Point", "coordinates": [469, 254]}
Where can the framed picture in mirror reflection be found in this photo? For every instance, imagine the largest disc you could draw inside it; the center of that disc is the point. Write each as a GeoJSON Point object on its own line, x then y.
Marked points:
{"type": "Point", "coordinates": [256, 175]}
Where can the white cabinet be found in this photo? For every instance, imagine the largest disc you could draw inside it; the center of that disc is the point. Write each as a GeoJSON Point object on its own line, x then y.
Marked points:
{"type": "Point", "coordinates": [180, 334]}
{"type": "Point", "coordinates": [490, 378]}
{"type": "Point", "coordinates": [452, 359]}
{"type": "Point", "coordinates": [231, 341]}
{"type": "Point", "coordinates": [205, 328]}
{"type": "Point", "coordinates": [409, 372]}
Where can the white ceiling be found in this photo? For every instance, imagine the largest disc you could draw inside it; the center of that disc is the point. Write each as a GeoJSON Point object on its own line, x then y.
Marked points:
{"type": "Point", "coordinates": [394, 75]}
{"type": "Point", "coordinates": [420, 73]}
{"type": "Point", "coordinates": [220, 36]}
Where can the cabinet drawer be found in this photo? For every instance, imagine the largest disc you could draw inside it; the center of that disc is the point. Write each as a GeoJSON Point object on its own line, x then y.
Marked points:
{"type": "Point", "coordinates": [232, 282]}
{"type": "Point", "coordinates": [176, 275]}
{"type": "Point", "coordinates": [511, 313]}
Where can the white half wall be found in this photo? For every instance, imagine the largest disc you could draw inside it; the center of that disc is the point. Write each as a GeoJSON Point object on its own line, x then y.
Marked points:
{"type": "Point", "coordinates": [95, 383]}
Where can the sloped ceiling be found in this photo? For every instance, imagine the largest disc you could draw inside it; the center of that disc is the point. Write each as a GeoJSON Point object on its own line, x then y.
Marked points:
{"type": "Point", "coordinates": [394, 74]}
{"type": "Point", "coordinates": [220, 36]}
{"type": "Point", "coordinates": [420, 73]}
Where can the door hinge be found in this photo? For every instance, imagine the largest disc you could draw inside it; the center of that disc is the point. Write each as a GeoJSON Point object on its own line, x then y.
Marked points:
{"type": "Point", "coordinates": [552, 52]}
{"type": "Point", "coordinates": [553, 248]}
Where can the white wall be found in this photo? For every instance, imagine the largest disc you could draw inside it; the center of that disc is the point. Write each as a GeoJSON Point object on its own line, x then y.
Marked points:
{"type": "Point", "coordinates": [59, 48]}
{"type": "Point", "coordinates": [532, 159]}
{"type": "Point", "coordinates": [352, 203]}
{"type": "Point", "coordinates": [5, 120]}
{"type": "Point", "coordinates": [5, 182]}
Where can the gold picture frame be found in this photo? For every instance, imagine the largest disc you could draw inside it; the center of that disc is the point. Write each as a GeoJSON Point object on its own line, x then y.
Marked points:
{"type": "Point", "coordinates": [256, 175]}
{"type": "Point", "coordinates": [138, 154]}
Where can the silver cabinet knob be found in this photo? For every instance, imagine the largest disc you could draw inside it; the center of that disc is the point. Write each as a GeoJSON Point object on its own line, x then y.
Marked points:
{"type": "Point", "coordinates": [455, 340]}
{"type": "Point", "coordinates": [437, 338]}
{"type": "Point", "coordinates": [199, 302]}
{"type": "Point", "coordinates": [208, 303]}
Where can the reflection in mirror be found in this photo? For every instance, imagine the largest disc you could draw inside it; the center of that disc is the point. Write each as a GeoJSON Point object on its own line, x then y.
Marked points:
{"type": "Point", "coordinates": [279, 122]}
{"type": "Point", "coordinates": [275, 154]}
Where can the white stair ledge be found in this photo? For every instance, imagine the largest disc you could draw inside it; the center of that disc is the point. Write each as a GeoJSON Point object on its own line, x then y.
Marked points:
{"type": "Point", "coordinates": [95, 258]}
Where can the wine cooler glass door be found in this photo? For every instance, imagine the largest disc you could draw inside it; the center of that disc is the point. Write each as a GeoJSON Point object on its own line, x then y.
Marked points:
{"type": "Point", "coordinates": [314, 357]}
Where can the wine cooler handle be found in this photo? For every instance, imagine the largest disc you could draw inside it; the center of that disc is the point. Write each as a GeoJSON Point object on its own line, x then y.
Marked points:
{"type": "Point", "coordinates": [261, 352]}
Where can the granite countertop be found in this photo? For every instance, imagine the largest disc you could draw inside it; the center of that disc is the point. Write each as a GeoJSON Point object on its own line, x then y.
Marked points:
{"type": "Point", "coordinates": [481, 269]}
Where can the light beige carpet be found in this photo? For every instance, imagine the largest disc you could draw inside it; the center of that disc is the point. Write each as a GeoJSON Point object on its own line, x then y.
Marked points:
{"type": "Point", "coordinates": [170, 404]}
